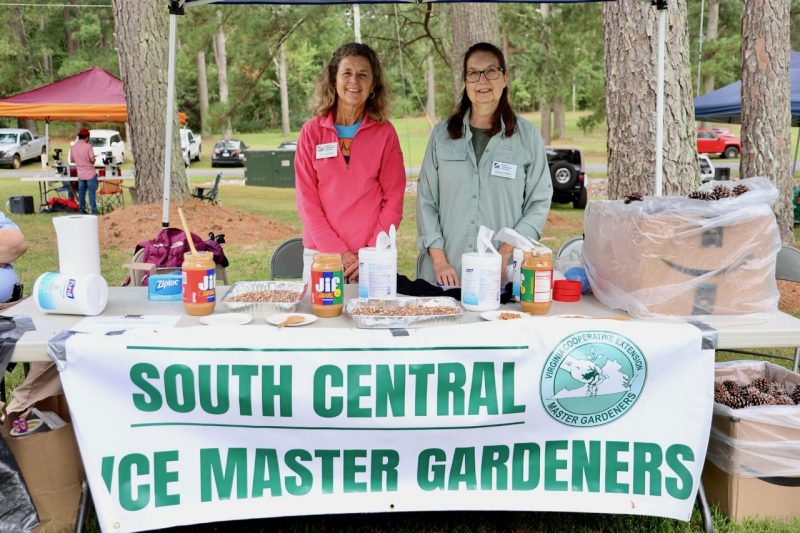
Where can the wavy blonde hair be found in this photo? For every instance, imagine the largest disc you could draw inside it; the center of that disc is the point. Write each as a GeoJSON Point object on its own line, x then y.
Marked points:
{"type": "Point", "coordinates": [324, 98]}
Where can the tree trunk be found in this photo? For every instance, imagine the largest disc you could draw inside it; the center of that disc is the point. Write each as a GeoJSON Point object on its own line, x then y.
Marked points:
{"type": "Point", "coordinates": [70, 42]}
{"type": "Point", "coordinates": [47, 59]}
{"type": "Point", "coordinates": [221, 57]}
{"type": "Point", "coordinates": [766, 118]}
{"type": "Point", "coordinates": [712, 32]}
{"type": "Point", "coordinates": [202, 89]}
{"type": "Point", "coordinates": [284, 90]}
{"type": "Point", "coordinates": [471, 23]}
{"type": "Point", "coordinates": [547, 123]}
{"type": "Point", "coordinates": [558, 118]}
{"type": "Point", "coordinates": [631, 47]}
{"type": "Point", "coordinates": [141, 30]}
{"type": "Point", "coordinates": [430, 105]}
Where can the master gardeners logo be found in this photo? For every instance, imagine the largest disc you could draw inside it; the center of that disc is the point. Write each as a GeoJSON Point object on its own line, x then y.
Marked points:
{"type": "Point", "coordinates": [592, 378]}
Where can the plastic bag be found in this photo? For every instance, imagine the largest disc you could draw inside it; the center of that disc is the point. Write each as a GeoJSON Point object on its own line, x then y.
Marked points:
{"type": "Point", "coordinates": [17, 512]}
{"type": "Point", "coordinates": [675, 256]}
{"type": "Point", "coordinates": [762, 441]}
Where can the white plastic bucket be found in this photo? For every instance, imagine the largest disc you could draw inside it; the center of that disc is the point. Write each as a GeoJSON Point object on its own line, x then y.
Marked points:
{"type": "Point", "coordinates": [480, 281]}
{"type": "Point", "coordinates": [377, 273]}
{"type": "Point", "coordinates": [83, 294]}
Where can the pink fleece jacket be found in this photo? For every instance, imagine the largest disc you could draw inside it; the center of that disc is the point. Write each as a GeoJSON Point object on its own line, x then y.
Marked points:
{"type": "Point", "coordinates": [343, 206]}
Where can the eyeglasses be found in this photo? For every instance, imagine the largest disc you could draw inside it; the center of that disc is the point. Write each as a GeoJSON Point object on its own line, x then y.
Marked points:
{"type": "Point", "coordinates": [491, 74]}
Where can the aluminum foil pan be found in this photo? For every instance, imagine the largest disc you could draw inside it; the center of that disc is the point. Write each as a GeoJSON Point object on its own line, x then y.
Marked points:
{"type": "Point", "coordinates": [410, 321]}
{"type": "Point", "coordinates": [263, 309]}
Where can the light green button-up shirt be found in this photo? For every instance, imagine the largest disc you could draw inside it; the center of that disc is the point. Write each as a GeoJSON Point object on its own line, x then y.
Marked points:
{"type": "Point", "coordinates": [455, 195]}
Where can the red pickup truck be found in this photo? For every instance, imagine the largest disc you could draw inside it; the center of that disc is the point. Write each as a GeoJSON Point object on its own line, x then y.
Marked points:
{"type": "Point", "coordinates": [711, 142]}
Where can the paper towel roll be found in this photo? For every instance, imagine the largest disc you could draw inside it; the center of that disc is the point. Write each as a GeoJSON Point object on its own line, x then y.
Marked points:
{"type": "Point", "coordinates": [78, 244]}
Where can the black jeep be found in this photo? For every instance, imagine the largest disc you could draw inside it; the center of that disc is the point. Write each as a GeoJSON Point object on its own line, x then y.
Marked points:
{"type": "Point", "coordinates": [569, 179]}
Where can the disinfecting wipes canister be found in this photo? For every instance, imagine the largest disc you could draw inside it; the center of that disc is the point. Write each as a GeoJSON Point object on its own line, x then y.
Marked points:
{"type": "Point", "coordinates": [165, 287]}
{"type": "Point", "coordinates": [70, 294]}
{"type": "Point", "coordinates": [480, 281]}
{"type": "Point", "coordinates": [377, 273]}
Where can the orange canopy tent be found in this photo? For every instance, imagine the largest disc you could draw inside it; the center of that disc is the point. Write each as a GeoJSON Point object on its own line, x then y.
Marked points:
{"type": "Point", "coordinates": [93, 95]}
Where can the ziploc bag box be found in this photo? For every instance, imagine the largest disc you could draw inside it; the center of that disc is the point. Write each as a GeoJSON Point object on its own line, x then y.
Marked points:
{"type": "Point", "coordinates": [165, 285]}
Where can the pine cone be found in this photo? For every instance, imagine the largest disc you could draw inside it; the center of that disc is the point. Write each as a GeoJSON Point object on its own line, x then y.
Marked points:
{"type": "Point", "coordinates": [782, 399]}
{"type": "Point", "coordinates": [761, 384]}
{"type": "Point", "coordinates": [700, 195]}
{"type": "Point", "coordinates": [739, 190]}
{"type": "Point", "coordinates": [738, 402]}
{"type": "Point", "coordinates": [634, 197]}
{"type": "Point", "coordinates": [732, 386]}
{"type": "Point", "coordinates": [776, 389]}
{"type": "Point", "coordinates": [720, 192]}
{"type": "Point", "coordinates": [795, 395]}
{"type": "Point", "coordinates": [761, 399]}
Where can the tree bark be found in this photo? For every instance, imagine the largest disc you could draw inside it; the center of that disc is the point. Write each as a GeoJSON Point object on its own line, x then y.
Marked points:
{"type": "Point", "coordinates": [202, 89]}
{"type": "Point", "coordinates": [712, 32]}
{"type": "Point", "coordinates": [284, 90]}
{"type": "Point", "coordinates": [558, 118]}
{"type": "Point", "coordinates": [547, 122]}
{"type": "Point", "coordinates": [47, 59]}
{"type": "Point", "coordinates": [221, 56]}
{"type": "Point", "coordinates": [141, 32]}
{"type": "Point", "coordinates": [430, 105]}
{"type": "Point", "coordinates": [631, 47]}
{"type": "Point", "coordinates": [70, 42]}
{"type": "Point", "coordinates": [471, 23]}
{"type": "Point", "coordinates": [766, 104]}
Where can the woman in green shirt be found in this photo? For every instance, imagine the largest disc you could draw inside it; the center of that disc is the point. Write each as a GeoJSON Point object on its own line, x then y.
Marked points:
{"type": "Point", "coordinates": [484, 166]}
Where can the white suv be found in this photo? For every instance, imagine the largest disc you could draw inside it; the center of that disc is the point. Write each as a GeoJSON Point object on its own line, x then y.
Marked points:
{"type": "Point", "coordinates": [105, 141]}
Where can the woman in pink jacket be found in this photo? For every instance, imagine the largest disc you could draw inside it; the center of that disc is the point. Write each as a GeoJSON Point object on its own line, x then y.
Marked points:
{"type": "Point", "coordinates": [349, 171]}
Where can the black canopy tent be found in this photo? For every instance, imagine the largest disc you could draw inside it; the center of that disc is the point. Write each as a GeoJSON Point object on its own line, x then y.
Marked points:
{"type": "Point", "coordinates": [177, 7]}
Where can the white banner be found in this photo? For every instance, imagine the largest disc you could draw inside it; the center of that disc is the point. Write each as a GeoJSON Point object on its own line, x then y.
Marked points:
{"type": "Point", "coordinates": [207, 424]}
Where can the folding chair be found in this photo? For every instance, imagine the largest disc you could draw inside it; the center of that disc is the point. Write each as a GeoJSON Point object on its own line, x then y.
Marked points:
{"type": "Point", "coordinates": [287, 260]}
{"type": "Point", "coordinates": [137, 269]}
{"type": "Point", "coordinates": [110, 195]}
{"type": "Point", "coordinates": [787, 268]}
{"type": "Point", "coordinates": [209, 195]}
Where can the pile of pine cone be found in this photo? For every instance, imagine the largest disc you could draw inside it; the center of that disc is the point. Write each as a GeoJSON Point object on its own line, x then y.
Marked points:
{"type": "Point", "coordinates": [719, 192]}
{"type": "Point", "coordinates": [760, 391]}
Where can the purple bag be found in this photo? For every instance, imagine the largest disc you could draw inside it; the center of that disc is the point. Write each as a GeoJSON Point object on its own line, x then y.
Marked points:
{"type": "Point", "coordinates": [168, 248]}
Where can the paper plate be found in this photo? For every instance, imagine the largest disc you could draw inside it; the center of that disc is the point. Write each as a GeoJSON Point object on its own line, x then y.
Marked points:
{"type": "Point", "coordinates": [226, 319]}
{"type": "Point", "coordinates": [34, 425]}
{"type": "Point", "coordinates": [280, 317]}
{"type": "Point", "coordinates": [499, 314]}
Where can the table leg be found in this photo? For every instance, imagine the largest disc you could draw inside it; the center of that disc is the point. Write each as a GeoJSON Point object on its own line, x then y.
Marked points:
{"type": "Point", "coordinates": [796, 363]}
{"type": "Point", "coordinates": [705, 510]}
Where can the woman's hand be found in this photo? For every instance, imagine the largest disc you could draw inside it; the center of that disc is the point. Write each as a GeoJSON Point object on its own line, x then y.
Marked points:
{"type": "Point", "coordinates": [350, 263]}
{"type": "Point", "coordinates": [506, 251]}
{"type": "Point", "coordinates": [445, 274]}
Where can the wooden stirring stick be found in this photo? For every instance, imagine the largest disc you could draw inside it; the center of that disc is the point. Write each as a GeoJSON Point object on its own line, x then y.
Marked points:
{"type": "Point", "coordinates": [186, 231]}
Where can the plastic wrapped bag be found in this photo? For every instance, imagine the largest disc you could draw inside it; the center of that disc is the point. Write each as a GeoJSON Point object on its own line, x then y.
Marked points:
{"type": "Point", "coordinates": [16, 512]}
{"type": "Point", "coordinates": [762, 441]}
{"type": "Point", "coordinates": [675, 256]}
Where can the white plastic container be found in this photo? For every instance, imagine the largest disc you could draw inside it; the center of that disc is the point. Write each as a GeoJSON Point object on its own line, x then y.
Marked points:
{"type": "Point", "coordinates": [516, 268]}
{"type": "Point", "coordinates": [480, 281]}
{"type": "Point", "coordinates": [67, 294]}
{"type": "Point", "coordinates": [78, 242]}
{"type": "Point", "coordinates": [377, 273]}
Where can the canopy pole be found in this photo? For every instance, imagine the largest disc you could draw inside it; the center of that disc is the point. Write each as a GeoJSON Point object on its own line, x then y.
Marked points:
{"type": "Point", "coordinates": [796, 146]}
{"type": "Point", "coordinates": [173, 24]}
{"type": "Point", "coordinates": [661, 6]}
{"type": "Point", "coordinates": [46, 161]}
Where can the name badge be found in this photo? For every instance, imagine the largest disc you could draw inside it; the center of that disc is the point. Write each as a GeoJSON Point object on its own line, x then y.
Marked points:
{"type": "Point", "coordinates": [326, 150]}
{"type": "Point", "coordinates": [504, 170]}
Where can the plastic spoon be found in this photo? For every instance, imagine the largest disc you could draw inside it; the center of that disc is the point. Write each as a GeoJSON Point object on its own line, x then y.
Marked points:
{"type": "Point", "coordinates": [291, 320]}
{"type": "Point", "coordinates": [186, 231]}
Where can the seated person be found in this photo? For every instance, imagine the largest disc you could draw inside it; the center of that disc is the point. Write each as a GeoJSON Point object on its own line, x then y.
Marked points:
{"type": "Point", "coordinates": [12, 246]}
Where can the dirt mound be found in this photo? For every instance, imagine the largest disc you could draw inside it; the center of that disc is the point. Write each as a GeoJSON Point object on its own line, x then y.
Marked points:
{"type": "Point", "coordinates": [126, 227]}
{"type": "Point", "coordinates": [790, 296]}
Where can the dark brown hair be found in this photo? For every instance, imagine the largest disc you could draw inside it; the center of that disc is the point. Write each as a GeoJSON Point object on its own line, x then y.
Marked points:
{"type": "Point", "coordinates": [324, 98]}
{"type": "Point", "coordinates": [455, 124]}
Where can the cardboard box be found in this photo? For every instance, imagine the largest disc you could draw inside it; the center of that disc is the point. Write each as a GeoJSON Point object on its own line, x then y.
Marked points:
{"type": "Point", "coordinates": [668, 262]}
{"type": "Point", "coordinates": [758, 442]}
{"type": "Point", "coordinates": [52, 469]}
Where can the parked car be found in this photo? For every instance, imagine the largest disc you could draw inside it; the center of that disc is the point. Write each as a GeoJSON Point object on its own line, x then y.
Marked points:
{"type": "Point", "coordinates": [288, 145]}
{"type": "Point", "coordinates": [105, 141]}
{"type": "Point", "coordinates": [796, 203]}
{"type": "Point", "coordinates": [191, 144]}
{"type": "Point", "coordinates": [711, 142]}
{"type": "Point", "coordinates": [569, 180]}
{"type": "Point", "coordinates": [228, 153]}
{"type": "Point", "coordinates": [19, 145]}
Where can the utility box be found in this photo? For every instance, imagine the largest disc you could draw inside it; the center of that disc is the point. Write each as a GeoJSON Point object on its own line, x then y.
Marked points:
{"type": "Point", "coordinates": [21, 205]}
{"type": "Point", "coordinates": [269, 168]}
